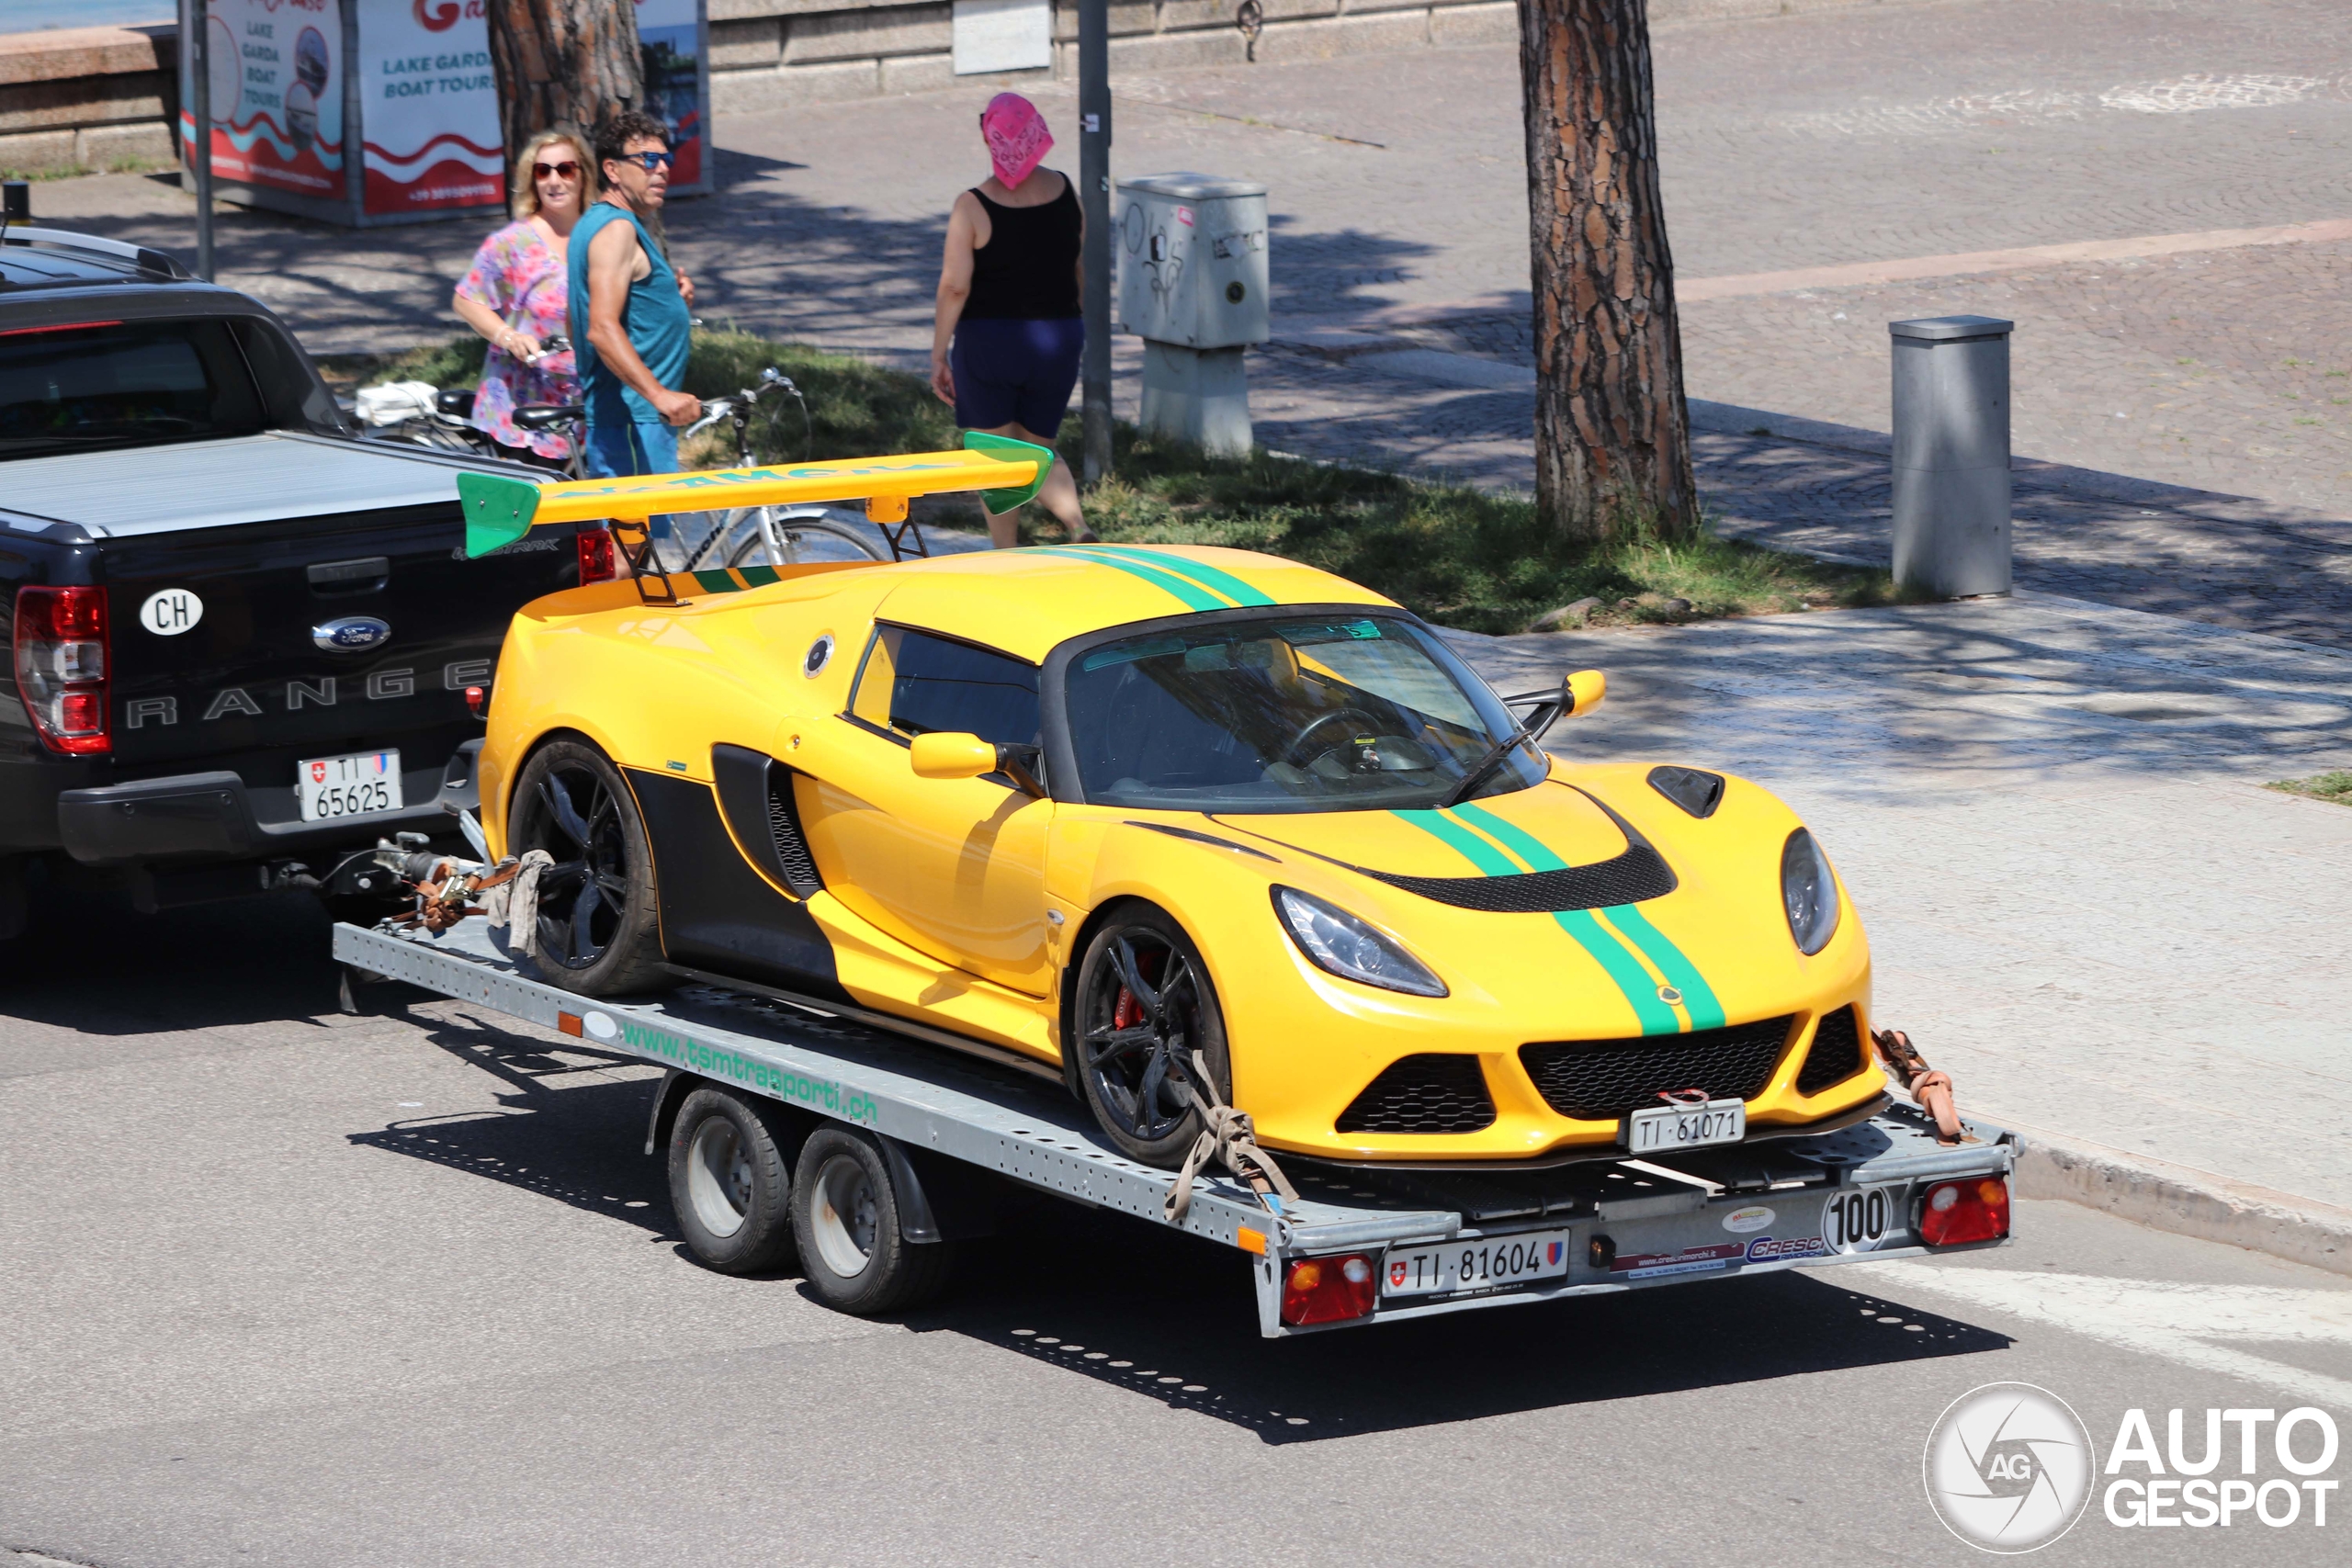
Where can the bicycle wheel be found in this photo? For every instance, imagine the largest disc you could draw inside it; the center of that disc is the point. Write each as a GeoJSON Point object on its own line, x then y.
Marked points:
{"type": "Point", "coordinates": [806, 539]}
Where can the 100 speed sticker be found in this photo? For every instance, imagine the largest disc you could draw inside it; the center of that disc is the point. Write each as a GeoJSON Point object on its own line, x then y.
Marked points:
{"type": "Point", "coordinates": [1861, 1218]}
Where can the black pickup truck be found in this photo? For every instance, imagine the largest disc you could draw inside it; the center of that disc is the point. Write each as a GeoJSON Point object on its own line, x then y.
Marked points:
{"type": "Point", "coordinates": [243, 636]}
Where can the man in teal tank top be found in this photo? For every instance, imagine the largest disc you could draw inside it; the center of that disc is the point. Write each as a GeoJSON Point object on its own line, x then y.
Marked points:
{"type": "Point", "coordinates": [631, 315]}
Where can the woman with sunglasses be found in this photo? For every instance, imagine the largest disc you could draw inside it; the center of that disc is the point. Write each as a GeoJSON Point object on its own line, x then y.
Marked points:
{"type": "Point", "coordinates": [516, 295]}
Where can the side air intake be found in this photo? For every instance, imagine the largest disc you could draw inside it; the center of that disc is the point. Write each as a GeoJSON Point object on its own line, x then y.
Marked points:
{"type": "Point", "coordinates": [755, 796]}
{"type": "Point", "coordinates": [1835, 1056]}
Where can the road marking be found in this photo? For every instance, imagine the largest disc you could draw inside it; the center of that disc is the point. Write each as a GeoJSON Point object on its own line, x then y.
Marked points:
{"type": "Point", "coordinates": [2023, 258]}
{"type": "Point", "coordinates": [2178, 1323]}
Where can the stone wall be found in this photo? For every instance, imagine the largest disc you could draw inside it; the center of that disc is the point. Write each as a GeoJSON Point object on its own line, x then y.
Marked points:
{"type": "Point", "coordinates": [87, 98]}
{"type": "Point", "coordinates": [768, 54]}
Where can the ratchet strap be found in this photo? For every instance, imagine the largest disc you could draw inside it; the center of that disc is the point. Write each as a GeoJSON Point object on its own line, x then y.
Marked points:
{"type": "Point", "coordinates": [1932, 1089]}
{"type": "Point", "coordinates": [1230, 1140]}
{"type": "Point", "coordinates": [499, 509]}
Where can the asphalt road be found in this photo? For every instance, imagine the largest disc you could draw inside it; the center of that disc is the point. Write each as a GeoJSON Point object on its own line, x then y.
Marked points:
{"type": "Point", "coordinates": [288, 1288]}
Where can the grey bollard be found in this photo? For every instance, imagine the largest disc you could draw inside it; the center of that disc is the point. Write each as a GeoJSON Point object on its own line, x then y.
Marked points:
{"type": "Point", "coordinates": [1951, 455]}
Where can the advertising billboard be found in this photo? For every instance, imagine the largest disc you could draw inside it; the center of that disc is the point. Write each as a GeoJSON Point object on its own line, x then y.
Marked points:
{"type": "Point", "coordinates": [669, 39]}
{"type": "Point", "coordinates": [429, 103]}
{"type": "Point", "coordinates": [275, 72]}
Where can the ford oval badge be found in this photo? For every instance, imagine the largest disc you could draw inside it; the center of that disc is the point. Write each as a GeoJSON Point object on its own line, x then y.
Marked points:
{"type": "Point", "coordinates": [351, 634]}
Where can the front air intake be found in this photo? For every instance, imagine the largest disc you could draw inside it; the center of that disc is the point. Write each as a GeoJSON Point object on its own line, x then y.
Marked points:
{"type": "Point", "coordinates": [1835, 1054]}
{"type": "Point", "coordinates": [1425, 1093]}
{"type": "Point", "coordinates": [1599, 1080]}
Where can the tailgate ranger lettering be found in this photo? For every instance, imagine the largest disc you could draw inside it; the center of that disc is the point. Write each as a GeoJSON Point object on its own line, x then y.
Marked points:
{"type": "Point", "coordinates": [383, 686]}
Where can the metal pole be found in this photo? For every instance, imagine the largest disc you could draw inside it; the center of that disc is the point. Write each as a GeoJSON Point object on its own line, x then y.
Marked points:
{"type": "Point", "coordinates": [1094, 196]}
{"type": "Point", "coordinates": [200, 109]}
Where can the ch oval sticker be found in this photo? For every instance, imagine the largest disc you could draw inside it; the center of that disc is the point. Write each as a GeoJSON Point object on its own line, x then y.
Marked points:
{"type": "Point", "coordinates": [171, 610]}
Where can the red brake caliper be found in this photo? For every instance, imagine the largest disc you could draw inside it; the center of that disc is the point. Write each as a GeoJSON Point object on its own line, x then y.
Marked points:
{"type": "Point", "coordinates": [1127, 1012]}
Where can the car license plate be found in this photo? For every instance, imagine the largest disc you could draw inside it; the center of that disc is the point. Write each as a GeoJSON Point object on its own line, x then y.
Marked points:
{"type": "Point", "coordinates": [1476, 1265]}
{"type": "Point", "coordinates": [351, 785]}
{"type": "Point", "coordinates": [1672, 1127]}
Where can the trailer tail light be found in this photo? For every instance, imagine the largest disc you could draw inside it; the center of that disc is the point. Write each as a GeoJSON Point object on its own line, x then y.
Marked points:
{"type": "Point", "coordinates": [1957, 1212]}
{"type": "Point", "coordinates": [1327, 1290]}
{"type": "Point", "coordinates": [61, 642]}
{"type": "Point", "coordinates": [596, 557]}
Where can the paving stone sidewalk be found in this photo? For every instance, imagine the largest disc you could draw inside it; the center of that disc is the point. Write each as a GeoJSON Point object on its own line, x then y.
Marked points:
{"type": "Point", "coordinates": [2080, 900]}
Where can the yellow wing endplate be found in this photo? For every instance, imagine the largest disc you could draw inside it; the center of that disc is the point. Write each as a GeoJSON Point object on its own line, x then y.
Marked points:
{"type": "Point", "coordinates": [500, 510]}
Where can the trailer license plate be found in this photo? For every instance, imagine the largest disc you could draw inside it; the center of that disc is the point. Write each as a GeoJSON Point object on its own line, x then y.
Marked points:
{"type": "Point", "coordinates": [1477, 1265]}
{"type": "Point", "coordinates": [351, 785]}
{"type": "Point", "coordinates": [1670, 1128]}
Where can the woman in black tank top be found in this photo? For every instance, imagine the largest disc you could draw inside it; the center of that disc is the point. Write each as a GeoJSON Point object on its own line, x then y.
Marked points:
{"type": "Point", "coordinates": [1008, 334]}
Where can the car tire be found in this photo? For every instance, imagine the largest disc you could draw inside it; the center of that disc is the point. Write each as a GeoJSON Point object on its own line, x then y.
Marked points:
{"type": "Point", "coordinates": [571, 802]}
{"type": "Point", "coordinates": [845, 1222]}
{"type": "Point", "coordinates": [731, 1183]}
{"type": "Point", "coordinates": [1115, 1036]}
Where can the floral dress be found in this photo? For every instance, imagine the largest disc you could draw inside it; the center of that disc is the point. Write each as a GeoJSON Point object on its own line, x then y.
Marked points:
{"type": "Point", "coordinates": [518, 275]}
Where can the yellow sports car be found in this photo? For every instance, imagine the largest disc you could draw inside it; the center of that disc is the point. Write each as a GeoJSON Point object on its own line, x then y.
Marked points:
{"type": "Point", "coordinates": [1109, 811]}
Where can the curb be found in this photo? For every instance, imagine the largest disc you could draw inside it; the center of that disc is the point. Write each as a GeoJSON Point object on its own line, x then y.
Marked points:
{"type": "Point", "coordinates": [2184, 1201]}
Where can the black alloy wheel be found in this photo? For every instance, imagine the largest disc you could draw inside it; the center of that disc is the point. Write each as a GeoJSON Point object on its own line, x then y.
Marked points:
{"type": "Point", "coordinates": [1145, 1005]}
{"type": "Point", "coordinates": [597, 933]}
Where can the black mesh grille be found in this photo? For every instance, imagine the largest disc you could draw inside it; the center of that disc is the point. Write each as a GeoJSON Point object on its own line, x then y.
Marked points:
{"type": "Point", "coordinates": [784, 826]}
{"type": "Point", "coordinates": [1835, 1054]}
{"type": "Point", "coordinates": [1423, 1094]}
{"type": "Point", "coordinates": [1599, 1081]}
{"type": "Point", "coordinates": [1637, 874]}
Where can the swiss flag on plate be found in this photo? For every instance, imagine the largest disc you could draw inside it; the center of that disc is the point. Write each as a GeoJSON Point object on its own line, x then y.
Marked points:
{"type": "Point", "coordinates": [318, 772]}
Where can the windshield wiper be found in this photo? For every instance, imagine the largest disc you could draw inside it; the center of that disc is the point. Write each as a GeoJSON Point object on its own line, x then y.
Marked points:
{"type": "Point", "coordinates": [1550, 706]}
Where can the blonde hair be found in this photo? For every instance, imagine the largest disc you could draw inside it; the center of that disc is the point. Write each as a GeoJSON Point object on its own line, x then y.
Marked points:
{"type": "Point", "coordinates": [523, 201]}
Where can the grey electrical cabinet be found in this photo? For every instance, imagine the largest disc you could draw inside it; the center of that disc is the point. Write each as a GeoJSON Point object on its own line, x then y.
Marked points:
{"type": "Point", "coordinates": [1193, 260]}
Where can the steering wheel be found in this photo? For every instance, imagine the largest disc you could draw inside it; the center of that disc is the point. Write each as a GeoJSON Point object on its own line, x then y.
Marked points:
{"type": "Point", "coordinates": [1294, 752]}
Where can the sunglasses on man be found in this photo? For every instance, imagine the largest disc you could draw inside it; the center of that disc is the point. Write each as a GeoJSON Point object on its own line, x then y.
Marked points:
{"type": "Point", "coordinates": [568, 170]}
{"type": "Point", "coordinates": [650, 161]}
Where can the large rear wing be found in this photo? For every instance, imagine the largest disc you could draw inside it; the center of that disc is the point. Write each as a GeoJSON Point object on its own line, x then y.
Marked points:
{"type": "Point", "coordinates": [500, 510]}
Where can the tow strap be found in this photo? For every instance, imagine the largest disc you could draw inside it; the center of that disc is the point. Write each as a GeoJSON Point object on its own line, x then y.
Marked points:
{"type": "Point", "coordinates": [1932, 1089]}
{"type": "Point", "coordinates": [1229, 1139]}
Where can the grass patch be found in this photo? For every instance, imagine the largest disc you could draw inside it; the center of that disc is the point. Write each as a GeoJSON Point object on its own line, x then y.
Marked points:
{"type": "Point", "coordinates": [2335, 786]}
{"type": "Point", "coordinates": [1457, 555]}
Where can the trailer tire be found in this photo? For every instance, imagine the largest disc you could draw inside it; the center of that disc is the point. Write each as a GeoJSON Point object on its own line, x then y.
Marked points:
{"type": "Point", "coordinates": [845, 1220]}
{"type": "Point", "coordinates": [731, 1183]}
{"type": "Point", "coordinates": [573, 802]}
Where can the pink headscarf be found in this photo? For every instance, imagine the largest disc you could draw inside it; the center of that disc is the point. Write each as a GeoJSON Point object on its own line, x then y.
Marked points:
{"type": "Point", "coordinates": [1017, 138]}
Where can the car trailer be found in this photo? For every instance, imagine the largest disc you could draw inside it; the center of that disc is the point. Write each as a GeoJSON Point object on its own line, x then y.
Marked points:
{"type": "Point", "coordinates": [933, 1133]}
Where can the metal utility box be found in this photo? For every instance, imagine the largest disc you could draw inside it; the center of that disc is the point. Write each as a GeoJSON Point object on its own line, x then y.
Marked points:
{"type": "Point", "coordinates": [1193, 260]}
{"type": "Point", "coordinates": [1951, 455]}
{"type": "Point", "coordinates": [1192, 286]}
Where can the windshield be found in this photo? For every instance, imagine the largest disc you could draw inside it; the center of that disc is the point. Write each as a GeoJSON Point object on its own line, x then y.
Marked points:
{"type": "Point", "coordinates": [1284, 714]}
{"type": "Point", "coordinates": [122, 383]}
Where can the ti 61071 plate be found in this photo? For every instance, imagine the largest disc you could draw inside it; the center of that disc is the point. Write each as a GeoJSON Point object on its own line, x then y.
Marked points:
{"type": "Point", "coordinates": [1671, 1128]}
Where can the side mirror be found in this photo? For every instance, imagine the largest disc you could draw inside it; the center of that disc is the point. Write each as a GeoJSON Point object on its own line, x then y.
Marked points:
{"type": "Point", "coordinates": [1581, 693]}
{"type": "Point", "coordinates": [951, 754]}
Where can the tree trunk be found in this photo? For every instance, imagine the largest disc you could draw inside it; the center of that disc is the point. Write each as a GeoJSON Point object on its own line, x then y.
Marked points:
{"type": "Point", "coordinates": [1612, 437]}
{"type": "Point", "coordinates": [562, 64]}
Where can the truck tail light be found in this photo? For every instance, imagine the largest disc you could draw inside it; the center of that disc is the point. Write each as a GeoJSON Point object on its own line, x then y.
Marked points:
{"type": "Point", "coordinates": [596, 559]}
{"type": "Point", "coordinates": [62, 651]}
{"type": "Point", "coordinates": [1327, 1290]}
{"type": "Point", "coordinates": [1957, 1212]}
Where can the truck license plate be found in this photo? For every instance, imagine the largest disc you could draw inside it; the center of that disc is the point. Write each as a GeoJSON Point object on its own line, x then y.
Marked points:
{"type": "Point", "coordinates": [1476, 1265]}
{"type": "Point", "coordinates": [351, 785]}
{"type": "Point", "coordinates": [1672, 1127]}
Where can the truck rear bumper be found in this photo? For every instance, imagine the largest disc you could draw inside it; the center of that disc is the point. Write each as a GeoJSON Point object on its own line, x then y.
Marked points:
{"type": "Point", "coordinates": [211, 816]}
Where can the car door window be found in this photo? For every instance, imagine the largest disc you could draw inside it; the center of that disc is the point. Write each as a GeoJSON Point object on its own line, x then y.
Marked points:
{"type": "Point", "coordinates": [913, 683]}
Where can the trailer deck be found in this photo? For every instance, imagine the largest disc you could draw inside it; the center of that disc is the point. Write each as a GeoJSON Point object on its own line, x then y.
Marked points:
{"type": "Point", "coordinates": [1437, 1239]}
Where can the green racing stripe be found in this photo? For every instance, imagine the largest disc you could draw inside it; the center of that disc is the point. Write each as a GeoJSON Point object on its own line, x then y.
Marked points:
{"type": "Point", "coordinates": [1192, 595]}
{"type": "Point", "coordinates": [1214, 578]}
{"type": "Point", "coordinates": [1698, 997]}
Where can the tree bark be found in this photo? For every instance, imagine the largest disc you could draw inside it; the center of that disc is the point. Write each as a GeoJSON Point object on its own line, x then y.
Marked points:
{"type": "Point", "coordinates": [562, 64]}
{"type": "Point", "coordinates": [1612, 436]}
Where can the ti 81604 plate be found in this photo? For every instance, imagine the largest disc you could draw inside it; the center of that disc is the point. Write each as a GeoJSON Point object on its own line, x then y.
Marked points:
{"type": "Point", "coordinates": [1493, 1263]}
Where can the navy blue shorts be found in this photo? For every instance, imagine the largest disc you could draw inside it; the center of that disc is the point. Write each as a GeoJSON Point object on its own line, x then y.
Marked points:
{"type": "Point", "coordinates": [1011, 372]}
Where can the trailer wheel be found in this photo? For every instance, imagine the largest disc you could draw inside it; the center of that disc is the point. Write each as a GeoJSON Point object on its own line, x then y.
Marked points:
{"type": "Point", "coordinates": [730, 1185]}
{"type": "Point", "coordinates": [598, 932]}
{"type": "Point", "coordinates": [846, 1219]}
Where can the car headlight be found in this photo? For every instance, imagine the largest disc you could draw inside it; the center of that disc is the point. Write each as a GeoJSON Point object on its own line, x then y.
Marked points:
{"type": "Point", "coordinates": [1809, 891]}
{"type": "Point", "coordinates": [1338, 942]}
